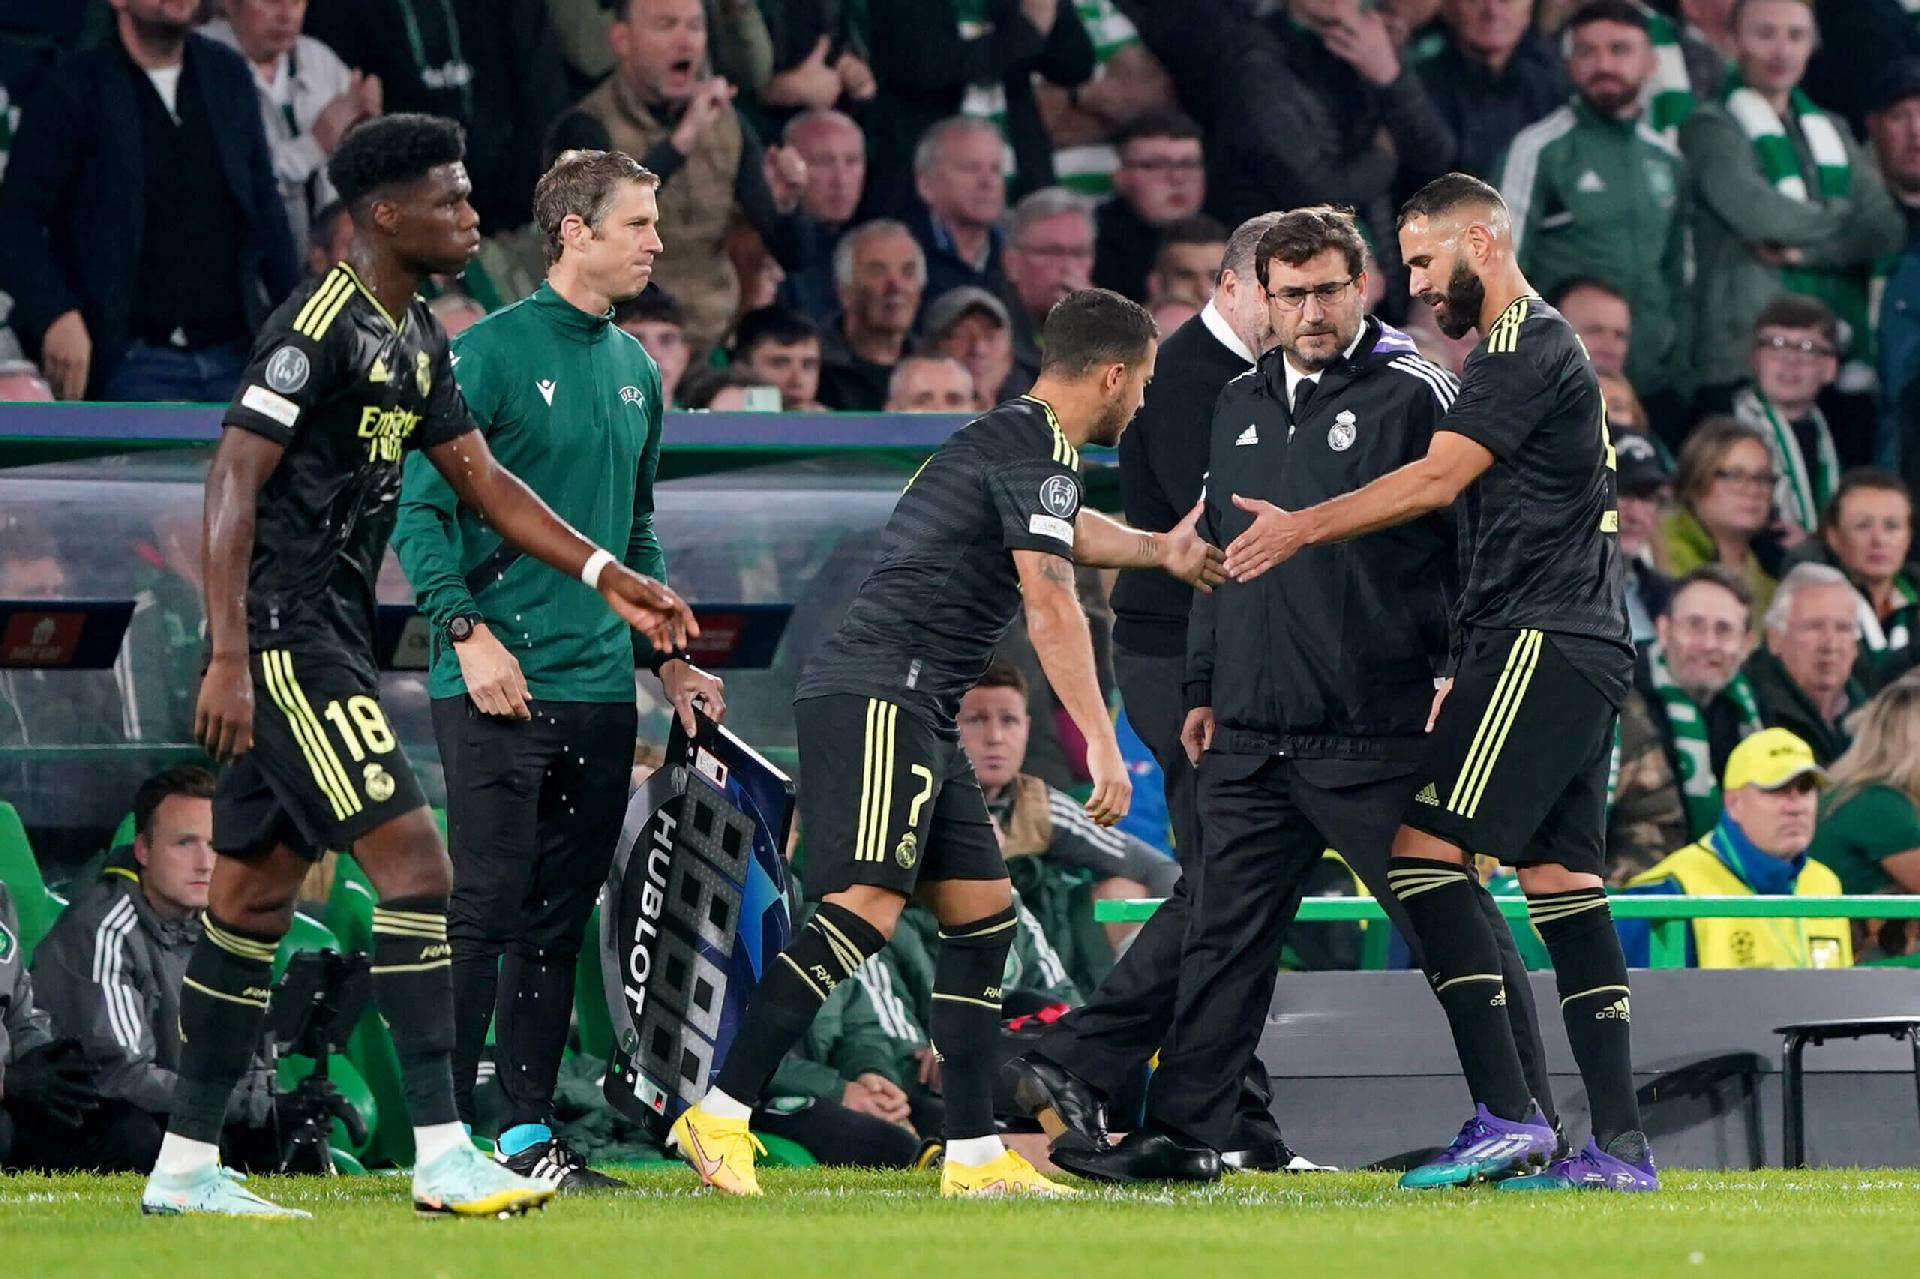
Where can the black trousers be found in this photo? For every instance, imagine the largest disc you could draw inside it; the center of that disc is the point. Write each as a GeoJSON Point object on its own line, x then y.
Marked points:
{"type": "Point", "coordinates": [1108, 1041]}
{"type": "Point", "coordinates": [533, 813]}
{"type": "Point", "coordinates": [113, 1137]}
{"type": "Point", "coordinates": [1268, 820]}
{"type": "Point", "coordinates": [840, 1137]}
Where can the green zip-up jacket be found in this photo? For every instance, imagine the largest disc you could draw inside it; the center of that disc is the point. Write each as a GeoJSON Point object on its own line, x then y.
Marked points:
{"type": "Point", "coordinates": [571, 404]}
{"type": "Point", "coordinates": [1609, 199]}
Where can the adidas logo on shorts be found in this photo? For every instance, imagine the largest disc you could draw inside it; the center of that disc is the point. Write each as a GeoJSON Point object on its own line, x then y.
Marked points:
{"type": "Point", "coordinates": [1428, 795]}
{"type": "Point", "coordinates": [1615, 1011]}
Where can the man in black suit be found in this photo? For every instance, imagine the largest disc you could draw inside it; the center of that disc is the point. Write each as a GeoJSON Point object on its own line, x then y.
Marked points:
{"type": "Point", "coordinates": [145, 237]}
{"type": "Point", "coordinates": [1163, 460]}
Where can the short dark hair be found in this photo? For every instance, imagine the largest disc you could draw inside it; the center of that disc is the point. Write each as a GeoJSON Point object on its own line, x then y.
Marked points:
{"type": "Point", "coordinates": [1197, 229]}
{"type": "Point", "coordinates": [1799, 311]}
{"type": "Point", "coordinates": [703, 382]}
{"type": "Point", "coordinates": [1158, 123]}
{"type": "Point", "coordinates": [1445, 194]}
{"type": "Point", "coordinates": [1572, 285]}
{"type": "Point", "coordinates": [771, 324]}
{"type": "Point", "coordinates": [1624, 12]}
{"type": "Point", "coordinates": [186, 779]}
{"type": "Point", "coordinates": [1713, 575]}
{"type": "Point", "coordinates": [654, 305]}
{"type": "Point", "coordinates": [1090, 327]}
{"type": "Point", "coordinates": [1004, 675]}
{"type": "Point", "coordinates": [393, 150]}
{"type": "Point", "coordinates": [1862, 479]}
{"type": "Point", "coordinates": [1299, 235]}
{"type": "Point", "coordinates": [582, 183]}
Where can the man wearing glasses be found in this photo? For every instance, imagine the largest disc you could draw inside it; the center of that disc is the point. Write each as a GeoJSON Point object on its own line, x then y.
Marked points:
{"type": "Point", "coordinates": [1795, 356]}
{"type": "Point", "coordinates": [1309, 690]}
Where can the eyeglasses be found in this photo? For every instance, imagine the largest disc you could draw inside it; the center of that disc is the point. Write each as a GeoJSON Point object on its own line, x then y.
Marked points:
{"type": "Point", "coordinates": [1294, 299]}
{"type": "Point", "coordinates": [1194, 165]}
{"type": "Point", "coordinates": [1806, 348]}
{"type": "Point", "coordinates": [1747, 479]}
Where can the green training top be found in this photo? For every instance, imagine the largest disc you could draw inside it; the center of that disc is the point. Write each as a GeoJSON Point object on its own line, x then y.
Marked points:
{"type": "Point", "coordinates": [1853, 839]}
{"type": "Point", "coordinates": [571, 404]}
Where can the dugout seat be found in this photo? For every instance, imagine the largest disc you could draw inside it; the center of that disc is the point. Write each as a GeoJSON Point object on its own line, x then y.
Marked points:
{"type": "Point", "coordinates": [36, 905]}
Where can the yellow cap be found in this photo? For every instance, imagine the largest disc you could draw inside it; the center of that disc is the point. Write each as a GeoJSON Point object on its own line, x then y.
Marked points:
{"type": "Point", "coordinates": [1770, 759]}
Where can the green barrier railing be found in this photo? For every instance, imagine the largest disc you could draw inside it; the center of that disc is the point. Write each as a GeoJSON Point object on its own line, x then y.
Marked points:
{"type": "Point", "coordinates": [1667, 947]}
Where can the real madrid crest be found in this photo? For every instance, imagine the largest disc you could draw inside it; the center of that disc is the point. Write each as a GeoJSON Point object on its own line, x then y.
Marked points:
{"type": "Point", "coordinates": [423, 371]}
{"type": "Point", "coordinates": [1341, 435]}
{"type": "Point", "coordinates": [378, 782]}
{"type": "Point", "coordinates": [906, 850]}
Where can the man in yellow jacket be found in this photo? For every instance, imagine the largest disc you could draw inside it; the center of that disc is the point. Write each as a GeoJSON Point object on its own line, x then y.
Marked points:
{"type": "Point", "coordinates": [1759, 846]}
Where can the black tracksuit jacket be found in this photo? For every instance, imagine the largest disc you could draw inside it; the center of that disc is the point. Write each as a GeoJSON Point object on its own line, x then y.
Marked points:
{"type": "Point", "coordinates": [1333, 654]}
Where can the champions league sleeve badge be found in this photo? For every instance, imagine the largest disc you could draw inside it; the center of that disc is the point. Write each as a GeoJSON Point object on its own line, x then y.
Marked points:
{"type": "Point", "coordinates": [693, 911]}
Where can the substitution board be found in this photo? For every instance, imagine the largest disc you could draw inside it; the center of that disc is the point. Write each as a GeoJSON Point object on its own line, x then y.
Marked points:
{"type": "Point", "coordinates": [693, 911]}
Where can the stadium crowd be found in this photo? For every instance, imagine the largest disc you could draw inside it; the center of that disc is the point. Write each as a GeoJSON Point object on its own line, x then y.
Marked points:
{"type": "Point", "coordinates": [872, 207]}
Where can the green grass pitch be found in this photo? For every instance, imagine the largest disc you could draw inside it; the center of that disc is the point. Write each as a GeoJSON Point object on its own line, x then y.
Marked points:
{"type": "Point", "coordinates": [851, 1225]}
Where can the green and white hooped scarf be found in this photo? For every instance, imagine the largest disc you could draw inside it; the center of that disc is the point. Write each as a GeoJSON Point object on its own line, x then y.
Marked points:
{"type": "Point", "coordinates": [1670, 92]}
{"type": "Point", "coordinates": [1699, 786]}
{"type": "Point", "coordinates": [1833, 175]}
{"type": "Point", "coordinates": [1802, 492]}
{"type": "Point", "coordinates": [1898, 630]}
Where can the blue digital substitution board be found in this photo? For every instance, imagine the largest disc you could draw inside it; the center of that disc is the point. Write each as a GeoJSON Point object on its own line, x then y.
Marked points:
{"type": "Point", "coordinates": [693, 911]}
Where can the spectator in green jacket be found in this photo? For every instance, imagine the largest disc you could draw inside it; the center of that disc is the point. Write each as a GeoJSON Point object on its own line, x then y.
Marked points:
{"type": "Point", "coordinates": [1786, 201]}
{"type": "Point", "coordinates": [1596, 191]}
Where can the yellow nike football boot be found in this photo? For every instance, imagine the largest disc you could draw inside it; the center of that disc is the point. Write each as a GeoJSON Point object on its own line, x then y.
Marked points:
{"type": "Point", "coordinates": [720, 1150]}
{"type": "Point", "coordinates": [1007, 1175]}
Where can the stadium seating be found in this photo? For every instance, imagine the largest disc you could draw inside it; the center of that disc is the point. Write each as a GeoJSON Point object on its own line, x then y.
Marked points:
{"type": "Point", "coordinates": [36, 905]}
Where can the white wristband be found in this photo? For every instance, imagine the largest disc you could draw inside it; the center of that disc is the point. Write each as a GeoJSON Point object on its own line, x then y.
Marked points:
{"type": "Point", "coordinates": [590, 571]}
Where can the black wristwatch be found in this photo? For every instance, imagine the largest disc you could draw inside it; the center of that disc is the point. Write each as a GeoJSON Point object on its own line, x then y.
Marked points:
{"type": "Point", "coordinates": [460, 626]}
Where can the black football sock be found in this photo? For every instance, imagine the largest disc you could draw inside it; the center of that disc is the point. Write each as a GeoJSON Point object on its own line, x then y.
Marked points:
{"type": "Point", "coordinates": [1463, 965]}
{"type": "Point", "coordinates": [966, 1019]}
{"type": "Point", "coordinates": [1522, 1015]}
{"type": "Point", "coordinates": [223, 1004]}
{"type": "Point", "coordinates": [1592, 975]}
{"type": "Point", "coordinates": [413, 985]}
{"type": "Point", "coordinates": [822, 955]}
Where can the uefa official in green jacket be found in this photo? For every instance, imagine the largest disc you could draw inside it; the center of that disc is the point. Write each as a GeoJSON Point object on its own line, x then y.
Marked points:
{"type": "Point", "coordinates": [532, 679]}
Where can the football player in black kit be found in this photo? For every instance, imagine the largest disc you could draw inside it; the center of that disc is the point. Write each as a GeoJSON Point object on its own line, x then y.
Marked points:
{"type": "Point", "coordinates": [990, 525]}
{"type": "Point", "coordinates": [348, 375]}
{"type": "Point", "coordinates": [1516, 767]}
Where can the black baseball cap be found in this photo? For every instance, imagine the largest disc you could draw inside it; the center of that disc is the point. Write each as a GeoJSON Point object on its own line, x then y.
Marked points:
{"type": "Point", "coordinates": [1642, 470]}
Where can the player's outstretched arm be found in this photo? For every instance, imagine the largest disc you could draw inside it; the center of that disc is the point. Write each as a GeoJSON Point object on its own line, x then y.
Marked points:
{"type": "Point", "coordinates": [242, 461]}
{"type": "Point", "coordinates": [1100, 541]}
{"type": "Point", "coordinates": [1058, 630]}
{"type": "Point", "coordinates": [1427, 484]}
{"type": "Point", "coordinates": [530, 524]}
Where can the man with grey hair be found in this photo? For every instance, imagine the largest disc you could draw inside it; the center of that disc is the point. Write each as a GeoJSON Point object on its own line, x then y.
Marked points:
{"type": "Point", "coordinates": [836, 154]}
{"type": "Point", "coordinates": [959, 177]}
{"type": "Point", "coordinates": [1163, 460]}
{"type": "Point", "coordinates": [1048, 254]}
{"type": "Point", "coordinates": [879, 274]}
{"type": "Point", "coordinates": [1802, 676]}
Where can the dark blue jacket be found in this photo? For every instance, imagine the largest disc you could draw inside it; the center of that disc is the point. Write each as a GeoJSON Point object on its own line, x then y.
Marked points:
{"type": "Point", "coordinates": [72, 211]}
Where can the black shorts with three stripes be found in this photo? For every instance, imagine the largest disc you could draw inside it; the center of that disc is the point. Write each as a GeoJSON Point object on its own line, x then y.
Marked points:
{"type": "Point", "coordinates": [325, 767]}
{"type": "Point", "coordinates": [1516, 767]}
{"type": "Point", "coordinates": [887, 798]}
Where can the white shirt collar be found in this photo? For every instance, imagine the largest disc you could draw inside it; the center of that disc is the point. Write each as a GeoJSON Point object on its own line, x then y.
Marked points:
{"type": "Point", "coordinates": [1295, 377]}
{"type": "Point", "coordinates": [1223, 332]}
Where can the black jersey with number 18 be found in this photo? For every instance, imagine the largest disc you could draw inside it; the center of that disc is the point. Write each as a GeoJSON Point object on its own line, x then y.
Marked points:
{"type": "Point", "coordinates": [922, 629]}
{"type": "Point", "coordinates": [346, 390]}
{"type": "Point", "coordinates": [1540, 545]}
